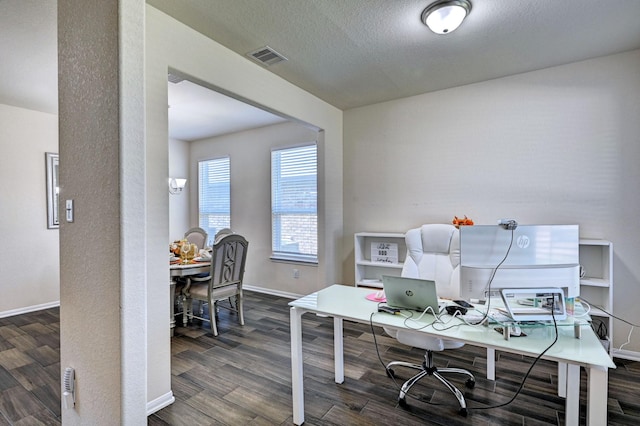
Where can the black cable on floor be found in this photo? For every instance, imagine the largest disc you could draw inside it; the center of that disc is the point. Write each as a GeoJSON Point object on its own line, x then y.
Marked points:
{"type": "Point", "coordinates": [526, 376]}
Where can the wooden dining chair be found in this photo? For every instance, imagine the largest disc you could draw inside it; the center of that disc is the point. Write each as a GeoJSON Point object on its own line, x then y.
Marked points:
{"type": "Point", "coordinates": [221, 233]}
{"type": "Point", "coordinates": [197, 236]}
{"type": "Point", "coordinates": [224, 281]}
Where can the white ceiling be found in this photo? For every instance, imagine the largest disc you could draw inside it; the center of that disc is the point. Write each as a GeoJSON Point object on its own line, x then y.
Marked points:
{"type": "Point", "coordinates": [196, 112]}
{"type": "Point", "coordinates": [348, 52]}
{"type": "Point", "coordinates": [358, 52]}
{"type": "Point", "coordinates": [29, 54]}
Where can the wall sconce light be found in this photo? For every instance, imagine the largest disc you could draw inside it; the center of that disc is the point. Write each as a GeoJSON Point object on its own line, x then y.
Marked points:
{"type": "Point", "coordinates": [176, 185]}
{"type": "Point", "coordinates": [444, 16]}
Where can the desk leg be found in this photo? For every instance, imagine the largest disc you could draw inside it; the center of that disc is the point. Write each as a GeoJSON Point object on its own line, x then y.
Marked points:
{"type": "Point", "coordinates": [297, 376]}
{"type": "Point", "coordinates": [572, 389]}
{"type": "Point", "coordinates": [562, 379]}
{"type": "Point", "coordinates": [491, 364]}
{"type": "Point", "coordinates": [597, 396]}
{"type": "Point", "coordinates": [338, 350]}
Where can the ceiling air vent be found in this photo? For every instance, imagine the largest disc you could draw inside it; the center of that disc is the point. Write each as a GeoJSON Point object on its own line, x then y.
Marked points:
{"type": "Point", "coordinates": [174, 78]}
{"type": "Point", "coordinates": [266, 56]}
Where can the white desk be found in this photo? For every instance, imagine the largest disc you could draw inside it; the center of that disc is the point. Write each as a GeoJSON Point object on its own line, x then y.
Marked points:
{"type": "Point", "coordinates": [343, 302]}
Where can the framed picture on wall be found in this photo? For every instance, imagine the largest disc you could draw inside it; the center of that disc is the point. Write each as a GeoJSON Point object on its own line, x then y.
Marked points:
{"type": "Point", "coordinates": [53, 190]}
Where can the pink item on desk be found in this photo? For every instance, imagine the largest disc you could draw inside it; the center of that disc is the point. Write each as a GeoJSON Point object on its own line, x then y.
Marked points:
{"type": "Point", "coordinates": [378, 297]}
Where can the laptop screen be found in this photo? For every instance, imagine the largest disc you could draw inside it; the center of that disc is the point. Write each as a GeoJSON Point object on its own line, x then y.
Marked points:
{"type": "Point", "coordinates": [410, 293]}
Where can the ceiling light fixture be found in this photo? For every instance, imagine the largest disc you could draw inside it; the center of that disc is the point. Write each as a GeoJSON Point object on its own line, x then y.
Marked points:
{"type": "Point", "coordinates": [444, 16]}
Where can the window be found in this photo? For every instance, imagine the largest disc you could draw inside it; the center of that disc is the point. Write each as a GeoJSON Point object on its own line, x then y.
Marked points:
{"type": "Point", "coordinates": [214, 195]}
{"type": "Point", "coordinates": [294, 203]}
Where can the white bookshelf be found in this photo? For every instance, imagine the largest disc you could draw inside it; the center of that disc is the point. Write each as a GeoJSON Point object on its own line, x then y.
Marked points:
{"type": "Point", "coordinates": [596, 286]}
{"type": "Point", "coordinates": [368, 271]}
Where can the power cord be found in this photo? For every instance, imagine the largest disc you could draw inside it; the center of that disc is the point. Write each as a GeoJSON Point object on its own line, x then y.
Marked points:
{"type": "Point", "coordinates": [608, 313]}
{"type": "Point", "coordinates": [600, 328]}
{"type": "Point", "coordinates": [493, 274]}
{"type": "Point", "coordinates": [408, 318]}
{"type": "Point", "coordinates": [389, 374]}
{"type": "Point", "coordinates": [606, 333]}
{"type": "Point", "coordinates": [515, 395]}
{"type": "Point", "coordinates": [535, 361]}
{"type": "Point", "coordinates": [485, 318]}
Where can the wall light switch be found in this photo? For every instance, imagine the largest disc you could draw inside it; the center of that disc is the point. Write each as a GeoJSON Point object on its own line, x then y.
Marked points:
{"type": "Point", "coordinates": [69, 210]}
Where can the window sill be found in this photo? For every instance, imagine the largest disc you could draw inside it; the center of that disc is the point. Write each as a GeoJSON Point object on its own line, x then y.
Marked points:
{"type": "Point", "coordinates": [292, 258]}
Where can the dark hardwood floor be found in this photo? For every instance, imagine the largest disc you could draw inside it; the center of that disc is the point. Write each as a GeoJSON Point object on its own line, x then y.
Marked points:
{"type": "Point", "coordinates": [30, 369]}
{"type": "Point", "coordinates": [244, 377]}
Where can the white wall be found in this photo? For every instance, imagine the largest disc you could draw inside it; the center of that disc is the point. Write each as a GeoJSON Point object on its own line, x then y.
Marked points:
{"type": "Point", "coordinates": [170, 44]}
{"type": "Point", "coordinates": [179, 203]}
{"type": "Point", "coordinates": [103, 286]}
{"type": "Point", "coordinates": [560, 145]}
{"type": "Point", "coordinates": [250, 158]}
{"type": "Point", "coordinates": [25, 136]}
{"type": "Point", "coordinates": [89, 272]}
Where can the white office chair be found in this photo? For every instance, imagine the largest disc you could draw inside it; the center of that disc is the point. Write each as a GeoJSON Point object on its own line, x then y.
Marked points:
{"type": "Point", "coordinates": [433, 253]}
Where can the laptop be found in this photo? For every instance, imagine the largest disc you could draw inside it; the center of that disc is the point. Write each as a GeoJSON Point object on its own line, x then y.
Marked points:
{"type": "Point", "coordinates": [411, 293]}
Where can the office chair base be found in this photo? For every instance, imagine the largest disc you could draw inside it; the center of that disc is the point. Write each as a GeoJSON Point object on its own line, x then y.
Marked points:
{"type": "Point", "coordinates": [429, 369]}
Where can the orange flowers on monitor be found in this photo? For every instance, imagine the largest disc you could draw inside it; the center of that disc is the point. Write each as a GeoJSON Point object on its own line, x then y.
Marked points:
{"type": "Point", "coordinates": [461, 222]}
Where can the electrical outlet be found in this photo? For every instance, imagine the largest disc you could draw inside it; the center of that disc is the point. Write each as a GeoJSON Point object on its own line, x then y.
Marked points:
{"type": "Point", "coordinates": [296, 273]}
{"type": "Point", "coordinates": [68, 388]}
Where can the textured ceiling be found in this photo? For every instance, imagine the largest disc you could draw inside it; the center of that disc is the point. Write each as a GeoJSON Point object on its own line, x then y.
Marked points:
{"type": "Point", "coordinates": [358, 52]}
{"type": "Point", "coordinates": [29, 54]}
{"type": "Point", "coordinates": [196, 112]}
{"type": "Point", "coordinates": [348, 52]}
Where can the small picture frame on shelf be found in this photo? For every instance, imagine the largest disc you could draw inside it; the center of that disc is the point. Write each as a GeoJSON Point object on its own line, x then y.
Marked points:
{"type": "Point", "coordinates": [384, 252]}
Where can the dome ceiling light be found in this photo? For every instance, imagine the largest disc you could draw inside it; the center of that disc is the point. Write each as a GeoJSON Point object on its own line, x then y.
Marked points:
{"type": "Point", "coordinates": [444, 16]}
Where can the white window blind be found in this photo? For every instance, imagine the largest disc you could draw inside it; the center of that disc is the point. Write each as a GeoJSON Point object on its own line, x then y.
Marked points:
{"type": "Point", "coordinates": [294, 203]}
{"type": "Point", "coordinates": [214, 195]}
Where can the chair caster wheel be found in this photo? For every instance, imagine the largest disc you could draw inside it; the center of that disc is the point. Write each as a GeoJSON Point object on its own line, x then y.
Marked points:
{"type": "Point", "coordinates": [470, 384]}
{"type": "Point", "coordinates": [391, 373]}
{"type": "Point", "coordinates": [402, 402]}
{"type": "Point", "coordinates": [463, 412]}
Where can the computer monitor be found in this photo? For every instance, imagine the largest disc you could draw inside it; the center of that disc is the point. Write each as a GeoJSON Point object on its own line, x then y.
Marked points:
{"type": "Point", "coordinates": [529, 256]}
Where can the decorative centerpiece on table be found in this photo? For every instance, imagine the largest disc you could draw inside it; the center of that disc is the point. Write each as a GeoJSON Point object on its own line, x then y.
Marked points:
{"type": "Point", "coordinates": [184, 250]}
{"type": "Point", "coordinates": [457, 222]}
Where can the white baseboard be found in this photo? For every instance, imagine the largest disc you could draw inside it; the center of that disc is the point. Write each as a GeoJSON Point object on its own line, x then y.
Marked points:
{"type": "Point", "coordinates": [624, 354]}
{"type": "Point", "coordinates": [168, 398]}
{"type": "Point", "coordinates": [272, 292]}
{"type": "Point", "coordinates": [160, 402]}
{"type": "Point", "coordinates": [28, 309]}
